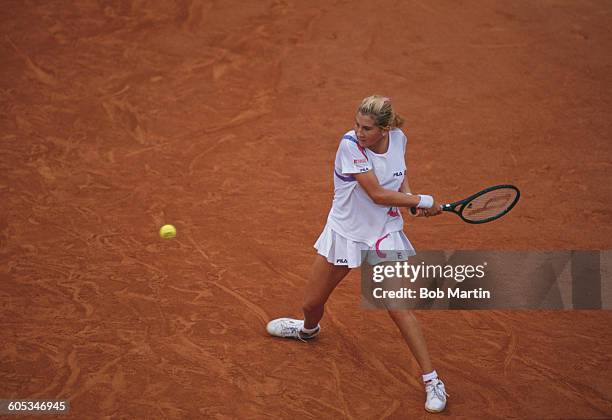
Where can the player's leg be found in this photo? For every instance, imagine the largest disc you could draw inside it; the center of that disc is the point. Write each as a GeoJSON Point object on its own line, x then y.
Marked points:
{"type": "Point", "coordinates": [323, 280]}
{"type": "Point", "coordinates": [413, 335]}
{"type": "Point", "coordinates": [401, 313]}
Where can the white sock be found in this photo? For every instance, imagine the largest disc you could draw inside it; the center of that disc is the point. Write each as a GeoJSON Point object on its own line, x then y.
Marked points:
{"type": "Point", "coordinates": [311, 330]}
{"type": "Point", "coordinates": [430, 376]}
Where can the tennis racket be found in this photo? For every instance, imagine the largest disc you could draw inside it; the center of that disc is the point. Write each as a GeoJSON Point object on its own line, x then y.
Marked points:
{"type": "Point", "coordinates": [484, 206]}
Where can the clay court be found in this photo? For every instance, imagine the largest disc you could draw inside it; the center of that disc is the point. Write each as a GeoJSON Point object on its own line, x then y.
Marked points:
{"type": "Point", "coordinates": [223, 119]}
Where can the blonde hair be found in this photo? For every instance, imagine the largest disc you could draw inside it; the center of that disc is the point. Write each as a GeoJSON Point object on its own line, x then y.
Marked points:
{"type": "Point", "coordinates": [381, 110]}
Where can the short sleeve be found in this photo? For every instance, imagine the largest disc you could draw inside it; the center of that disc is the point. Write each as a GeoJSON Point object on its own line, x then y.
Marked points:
{"type": "Point", "coordinates": [352, 157]}
{"type": "Point", "coordinates": [404, 139]}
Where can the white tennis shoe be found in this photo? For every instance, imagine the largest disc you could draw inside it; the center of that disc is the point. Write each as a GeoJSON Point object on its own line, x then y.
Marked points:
{"type": "Point", "coordinates": [436, 396]}
{"type": "Point", "coordinates": [290, 328]}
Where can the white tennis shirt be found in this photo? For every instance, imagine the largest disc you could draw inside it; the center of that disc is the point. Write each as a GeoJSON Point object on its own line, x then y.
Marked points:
{"type": "Point", "coordinates": [353, 214]}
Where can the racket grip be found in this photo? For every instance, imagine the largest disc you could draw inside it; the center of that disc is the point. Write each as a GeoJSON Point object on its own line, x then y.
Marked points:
{"type": "Point", "coordinates": [413, 210]}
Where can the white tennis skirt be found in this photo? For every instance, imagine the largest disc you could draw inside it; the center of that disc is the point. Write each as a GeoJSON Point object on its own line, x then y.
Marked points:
{"type": "Point", "coordinates": [339, 250]}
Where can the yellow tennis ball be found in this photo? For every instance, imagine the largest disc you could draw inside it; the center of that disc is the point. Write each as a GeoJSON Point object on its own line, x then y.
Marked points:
{"type": "Point", "coordinates": [167, 231]}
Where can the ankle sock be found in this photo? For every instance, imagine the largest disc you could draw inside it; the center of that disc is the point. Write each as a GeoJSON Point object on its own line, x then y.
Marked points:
{"type": "Point", "coordinates": [311, 330]}
{"type": "Point", "coordinates": [430, 376]}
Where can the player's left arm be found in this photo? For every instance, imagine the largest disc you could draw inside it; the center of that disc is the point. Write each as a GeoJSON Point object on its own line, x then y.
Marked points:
{"type": "Point", "coordinates": [405, 188]}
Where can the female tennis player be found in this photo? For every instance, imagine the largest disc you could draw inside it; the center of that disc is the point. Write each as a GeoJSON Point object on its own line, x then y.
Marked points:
{"type": "Point", "coordinates": [370, 185]}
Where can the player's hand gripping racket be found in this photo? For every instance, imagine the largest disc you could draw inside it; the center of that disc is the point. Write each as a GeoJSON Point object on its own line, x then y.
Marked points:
{"type": "Point", "coordinates": [484, 206]}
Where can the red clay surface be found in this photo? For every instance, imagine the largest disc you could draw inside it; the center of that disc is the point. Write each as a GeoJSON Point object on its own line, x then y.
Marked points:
{"type": "Point", "coordinates": [223, 118]}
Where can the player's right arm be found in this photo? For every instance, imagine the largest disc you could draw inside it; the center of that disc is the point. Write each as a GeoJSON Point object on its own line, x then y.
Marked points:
{"type": "Point", "coordinates": [385, 197]}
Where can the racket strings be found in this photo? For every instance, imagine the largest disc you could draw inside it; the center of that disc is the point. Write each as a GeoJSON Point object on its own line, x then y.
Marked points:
{"type": "Point", "coordinates": [490, 204]}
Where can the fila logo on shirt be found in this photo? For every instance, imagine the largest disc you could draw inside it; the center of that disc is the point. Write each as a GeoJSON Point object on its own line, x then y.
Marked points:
{"type": "Point", "coordinates": [341, 261]}
{"type": "Point", "coordinates": [400, 173]}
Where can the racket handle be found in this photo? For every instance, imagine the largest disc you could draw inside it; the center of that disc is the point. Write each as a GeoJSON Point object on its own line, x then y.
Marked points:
{"type": "Point", "coordinates": [413, 210]}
